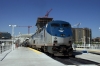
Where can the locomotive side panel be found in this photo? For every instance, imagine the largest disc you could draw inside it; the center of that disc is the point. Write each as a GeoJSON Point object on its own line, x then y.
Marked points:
{"type": "Point", "coordinates": [48, 39]}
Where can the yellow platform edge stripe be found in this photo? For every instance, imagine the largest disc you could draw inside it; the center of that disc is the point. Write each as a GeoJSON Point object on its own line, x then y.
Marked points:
{"type": "Point", "coordinates": [35, 50]}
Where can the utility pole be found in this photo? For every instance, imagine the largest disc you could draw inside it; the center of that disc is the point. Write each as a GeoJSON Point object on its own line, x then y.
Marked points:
{"type": "Point", "coordinates": [84, 42]}
{"type": "Point", "coordinates": [13, 47]}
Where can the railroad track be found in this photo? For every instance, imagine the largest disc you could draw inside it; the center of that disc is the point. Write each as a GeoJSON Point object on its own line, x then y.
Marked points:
{"type": "Point", "coordinates": [73, 61]}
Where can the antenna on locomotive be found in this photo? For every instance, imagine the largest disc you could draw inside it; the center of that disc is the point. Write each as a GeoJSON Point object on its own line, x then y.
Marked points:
{"type": "Point", "coordinates": [77, 25]}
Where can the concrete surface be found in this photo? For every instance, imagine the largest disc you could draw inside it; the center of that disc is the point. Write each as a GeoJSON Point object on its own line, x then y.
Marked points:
{"type": "Point", "coordinates": [3, 54]}
{"type": "Point", "coordinates": [28, 57]}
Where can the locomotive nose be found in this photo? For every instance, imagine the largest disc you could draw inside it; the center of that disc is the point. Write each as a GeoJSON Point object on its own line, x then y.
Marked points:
{"type": "Point", "coordinates": [61, 30]}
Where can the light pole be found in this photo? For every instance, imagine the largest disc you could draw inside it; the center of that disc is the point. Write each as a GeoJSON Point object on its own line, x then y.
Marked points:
{"type": "Point", "coordinates": [12, 35]}
{"type": "Point", "coordinates": [20, 38]}
{"type": "Point", "coordinates": [89, 38]}
{"type": "Point", "coordinates": [99, 29]}
{"type": "Point", "coordinates": [89, 41]}
{"type": "Point", "coordinates": [84, 42]}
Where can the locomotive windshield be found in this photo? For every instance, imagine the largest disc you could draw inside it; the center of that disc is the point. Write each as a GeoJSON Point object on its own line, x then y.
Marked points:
{"type": "Point", "coordinates": [55, 25]}
{"type": "Point", "coordinates": [66, 25]}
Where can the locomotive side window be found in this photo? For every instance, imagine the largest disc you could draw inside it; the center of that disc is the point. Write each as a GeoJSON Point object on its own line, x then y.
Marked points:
{"type": "Point", "coordinates": [34, 41]}
{"type": "Point", "coordinates": [55, 25]}
{"type": "Point", "coordinates": [66, 25]}
{"type": "Point", "coordinates": [44, 33]}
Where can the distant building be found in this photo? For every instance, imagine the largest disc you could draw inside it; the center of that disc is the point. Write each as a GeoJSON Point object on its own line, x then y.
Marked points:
{"type": "Point", "coordinates": [79, 33]}
{"type": "Point", "coordinates": [42, 21]}
{"type": "Point", "coordinates": [97, 39]}
{"type": "Point", "coordinates": [5, 35]}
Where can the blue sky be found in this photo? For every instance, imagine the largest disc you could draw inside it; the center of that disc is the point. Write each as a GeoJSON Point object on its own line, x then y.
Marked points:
{"type": "Point", "coordinates": [26, 12]}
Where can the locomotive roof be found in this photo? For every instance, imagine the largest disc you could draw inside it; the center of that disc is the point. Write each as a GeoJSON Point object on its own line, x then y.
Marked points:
{"type": "Point", "coordinates": [58, 21]}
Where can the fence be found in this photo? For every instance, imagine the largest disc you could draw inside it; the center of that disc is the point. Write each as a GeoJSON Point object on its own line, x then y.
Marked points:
{"type": "Point", "coordinates": [90, 46]}
{"type": "Point", "coordinates": [4, 47]}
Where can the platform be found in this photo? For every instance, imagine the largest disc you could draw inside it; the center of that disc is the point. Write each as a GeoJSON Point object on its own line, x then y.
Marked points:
{"type": "Point", "coordinates": [89, 56]}
{"type": "Point", "coordinates": [4, 53]}
{"type": "Point", "coordinates": [28, 57]}
{"type": "Point", "coordinates": [24, 56]}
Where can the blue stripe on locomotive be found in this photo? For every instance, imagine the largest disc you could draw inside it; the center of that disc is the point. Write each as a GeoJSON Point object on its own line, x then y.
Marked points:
{"type": "Point", "coordinates": [55, 31]}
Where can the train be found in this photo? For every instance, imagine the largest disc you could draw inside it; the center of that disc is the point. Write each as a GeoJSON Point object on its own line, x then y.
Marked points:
{"type": "Point", "coordinates": [54, 38]}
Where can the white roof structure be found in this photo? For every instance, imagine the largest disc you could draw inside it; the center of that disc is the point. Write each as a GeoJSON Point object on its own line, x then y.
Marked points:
{"type": "Point", "coordinates": [25, 35]}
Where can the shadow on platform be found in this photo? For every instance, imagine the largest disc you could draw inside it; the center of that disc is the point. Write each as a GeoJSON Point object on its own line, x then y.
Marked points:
{"type": "Point", "coordinates": [77, 52]}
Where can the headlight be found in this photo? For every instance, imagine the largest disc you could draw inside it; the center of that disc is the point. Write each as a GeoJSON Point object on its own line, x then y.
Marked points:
{"type": "Point", "coordinates": [62, 35]}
